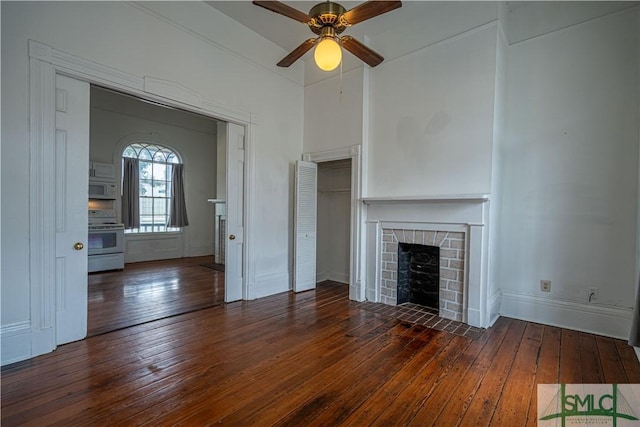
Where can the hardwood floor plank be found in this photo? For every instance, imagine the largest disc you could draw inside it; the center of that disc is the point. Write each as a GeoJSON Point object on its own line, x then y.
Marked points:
{"type": "Point", "coordinates": [313, 358]}
{"type": "Point", "coordinates": [244, 333]}
{"type": "Point", "coordinates": [320, 371]}
{"type": "Point", "coordinates": [272, 307]}
{"type": "Point", "coordinates": [547, 369]}
{"type": "Point", "coordinates": [267, 371]}
{"type": "Point", "coordinates": [155, 345]}
{"type": "Point", "coordinates": [482, 407]}
{"type": "Point", "coordinates": [458, 403]}
{"type": "Point", "coordinates": [629, 361]}
{"type": "Point", "coordinates": [513, 406]}
{"type": "Point", "coordinates": [590, 365]}
{"type": "Point", "coordinates": [612, 365]}
{"type": "Point", "coordinates": [404, 407]}
{"type": "Point", "coordinates": [448, 383]}
{"type": "Point", "coordinates": [148, 291]}
{"type": "Point", "coordinates": [353, 389]}
{"type": "Point", "coordinates": [433, 341]}
{"type": "Point", "coordinates": [570, 364]}
{"type": "Point", "coordinates": [183, 368]}
{"type": "Point", "coordinates": [392, 356]}
{"type": "Point", "coordinates": [269, 404]}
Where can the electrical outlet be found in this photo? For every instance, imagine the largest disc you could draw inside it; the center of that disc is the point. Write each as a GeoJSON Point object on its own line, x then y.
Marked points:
{"type": "Point", "coordinates": [545, 285]}
{"type": "Point", "coordinates": [593, 294]}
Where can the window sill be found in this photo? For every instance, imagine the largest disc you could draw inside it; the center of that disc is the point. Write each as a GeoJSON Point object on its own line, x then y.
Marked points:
{"type": "Point", "coordinates": [156, 234]}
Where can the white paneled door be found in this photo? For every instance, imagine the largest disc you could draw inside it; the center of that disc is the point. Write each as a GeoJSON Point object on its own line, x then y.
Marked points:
{"type": "Point", "coordinates": [304, 277]}
{"type": "Point", "coordinates": [71, 190]}
{"type": "Point", "coordinates": [234, 255]}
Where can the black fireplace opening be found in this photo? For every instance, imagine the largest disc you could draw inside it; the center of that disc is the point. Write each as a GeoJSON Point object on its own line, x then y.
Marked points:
{"type": "Point", "coordinates": [419, 274]}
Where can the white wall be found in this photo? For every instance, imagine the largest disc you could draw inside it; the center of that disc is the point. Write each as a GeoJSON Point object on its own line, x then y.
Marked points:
{"type": "Point", "coordinates": [334, 217]}
{"type": "Point", "coordinates": [115, 120]}
{"type": "Point", "coordinates": [530, 19]}
{"type": "Point", "coordinates": [431, 117]}
{"type": "Point", "coordinates": [495, 208]}
{"type": "Point", "coordinates": [431, 130]}
{"type": "Point", "coordinates": [570, 178]}
{"type": "Point", "coordinates": [333, 113]}
{"type": "Point", "coordinates": [473, 115]}
{"type": "Point", "coordinates": [187, 43]}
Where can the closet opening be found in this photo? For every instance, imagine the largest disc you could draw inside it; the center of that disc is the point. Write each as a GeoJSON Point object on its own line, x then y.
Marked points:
{"type": "Point", "coordinates": [333, 245]}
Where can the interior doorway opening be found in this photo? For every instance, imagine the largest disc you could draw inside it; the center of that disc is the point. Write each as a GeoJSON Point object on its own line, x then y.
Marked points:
{"type": "Point", "coordinates": [59, 307]}
{"type": "Point", "coordinates": [333, 245]}
{"type": "Point", "coordinates": [168, 272]}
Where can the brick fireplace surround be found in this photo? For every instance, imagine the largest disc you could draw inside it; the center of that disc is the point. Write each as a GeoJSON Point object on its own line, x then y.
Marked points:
{"type": "Point", "coordinates": [452, 256]}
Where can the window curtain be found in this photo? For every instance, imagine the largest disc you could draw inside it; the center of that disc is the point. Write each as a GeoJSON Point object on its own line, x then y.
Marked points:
{"type": "Point", "coordinates": [130, 193]}
{"type": "Point", "coordinates": [634, 339]}
{"type": "Point", "coordinates": [178, 214]}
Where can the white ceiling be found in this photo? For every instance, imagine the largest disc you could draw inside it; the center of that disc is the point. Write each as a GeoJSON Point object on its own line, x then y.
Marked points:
{"type": "Point", "coordinates": [288, 33]}
{"type": "Point", "coordinates": [419, 23]}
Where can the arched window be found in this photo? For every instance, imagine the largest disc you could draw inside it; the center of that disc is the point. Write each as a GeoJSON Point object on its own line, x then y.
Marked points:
{"type": "Point", "coordinates": [154, 187]}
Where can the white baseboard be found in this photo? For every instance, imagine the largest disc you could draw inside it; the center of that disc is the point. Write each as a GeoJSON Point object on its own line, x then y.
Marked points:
{"type": "Point", "coordinates": [473, 318]}
{"type": "Point", "coordinates": [339, 277]}
{"type": "Point", "coordinates": [355, 291]}
{"type": "Point", "coordinates": [199, 250]}
{"type": "Point", "coordinates": [332, 275]}
{"type": "Point", "coordinates": [16, 342]}
{"type": "Point", "coordinates": [592, 318]}
{"type": "Point", "coordinates": [321, 276]}
{"type": "Point", "coordinates": [151, 256]}
{"type": "Point", "coordinates": [271, 284]}
{"type": "Point", "coordinates": [493, 309]}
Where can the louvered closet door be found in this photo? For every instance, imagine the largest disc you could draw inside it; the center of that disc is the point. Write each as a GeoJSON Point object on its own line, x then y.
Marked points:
{"type": "Point", "coordinates": [305, 226]}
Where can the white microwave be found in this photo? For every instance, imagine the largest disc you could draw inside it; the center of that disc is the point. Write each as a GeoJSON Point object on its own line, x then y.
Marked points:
{"type": "Point", "coordinates": [102, 190]}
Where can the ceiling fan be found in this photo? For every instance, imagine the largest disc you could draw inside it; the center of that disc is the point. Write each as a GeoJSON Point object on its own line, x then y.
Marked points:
{"type": "Point", "coordinates": [328, 20]}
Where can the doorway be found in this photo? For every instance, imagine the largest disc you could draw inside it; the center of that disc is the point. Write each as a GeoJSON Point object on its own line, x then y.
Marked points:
{"type": "Point", "coordinates": [165, 271]}
{"type": "Point", "coordinates": [353, 157]}
{"type": "Point", "coordinates": [45, 294]}
{"type": "Point", "coordinates": [333, 253]}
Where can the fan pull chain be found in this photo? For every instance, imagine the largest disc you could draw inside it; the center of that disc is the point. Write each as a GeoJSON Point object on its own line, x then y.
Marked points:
{"type": "Point", "coordinates": [341, 81]}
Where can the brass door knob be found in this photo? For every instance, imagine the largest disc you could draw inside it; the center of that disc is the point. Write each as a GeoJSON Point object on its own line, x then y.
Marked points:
{"type": "Point", "coordinates": [232, 237]}
{"type": "Point", "coordinates": [78, 246]}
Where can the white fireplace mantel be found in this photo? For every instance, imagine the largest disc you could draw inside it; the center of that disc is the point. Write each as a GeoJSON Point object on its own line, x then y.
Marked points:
{"type": "Point", "coordinates": [442, 198]}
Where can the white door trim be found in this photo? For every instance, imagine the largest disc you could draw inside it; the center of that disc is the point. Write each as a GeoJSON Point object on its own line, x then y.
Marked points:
{"type": "Point", "coordinates": [356, 276]}
{"type": "Point", "coordinates": [45, 62]}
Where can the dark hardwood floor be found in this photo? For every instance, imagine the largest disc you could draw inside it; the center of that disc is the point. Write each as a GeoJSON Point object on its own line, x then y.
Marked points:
{"type": "Point", "coordinates": [308, 359]}
{"type": "Point", "coordinates": [146, 291]}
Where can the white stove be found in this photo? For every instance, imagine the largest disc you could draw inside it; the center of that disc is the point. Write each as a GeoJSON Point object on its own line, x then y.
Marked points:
{"type": "Point", "coordinates": [106, 241]}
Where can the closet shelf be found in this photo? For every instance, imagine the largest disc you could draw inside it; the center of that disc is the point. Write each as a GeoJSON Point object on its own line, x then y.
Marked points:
{"type": "Point", "coordinates": [335, 190]}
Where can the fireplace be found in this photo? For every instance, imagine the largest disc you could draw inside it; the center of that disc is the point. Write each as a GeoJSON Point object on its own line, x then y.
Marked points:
{"type": "Point", "coordinates": [447, 269]}
{"type": "Point", "coordinates": [458, 225]}
{"type": "Point", "coordinates": [419, 274]}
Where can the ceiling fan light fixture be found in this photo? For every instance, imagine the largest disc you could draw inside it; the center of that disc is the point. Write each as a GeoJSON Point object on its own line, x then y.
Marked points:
{"type": "Point", "coordinates": [328, 20]}
{"type": "Point", "coordinates": [328, 54]}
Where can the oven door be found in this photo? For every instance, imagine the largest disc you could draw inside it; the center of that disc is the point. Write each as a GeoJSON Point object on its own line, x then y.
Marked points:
{"type": "Point", "coordinates": [106, 241]}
